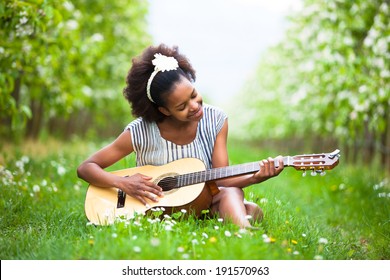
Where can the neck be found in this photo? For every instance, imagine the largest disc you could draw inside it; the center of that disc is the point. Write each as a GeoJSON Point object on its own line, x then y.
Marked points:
{"type": "Point", "coordinates": [180, 133]}
{"type": "Point", "coordinates": [174, 124]}
{"type": "Point", "coordinates": [223, 172]}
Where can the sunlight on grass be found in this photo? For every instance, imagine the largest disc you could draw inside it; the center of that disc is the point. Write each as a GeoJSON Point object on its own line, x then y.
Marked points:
{"type": "Point", "coordinates": [344, 215]}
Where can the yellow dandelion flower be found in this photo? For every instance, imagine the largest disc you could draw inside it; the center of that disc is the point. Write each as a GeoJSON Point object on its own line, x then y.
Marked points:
{"type": "Point", "coordinates": [213, 239]}
{"type": "Point", "coordinates": [272, 239]}
{"type": "Point", "coordinates": [294, 242]}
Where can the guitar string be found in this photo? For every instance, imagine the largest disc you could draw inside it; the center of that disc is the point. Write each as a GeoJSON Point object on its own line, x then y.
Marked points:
{"type": "Point", "coordinates": [211, 174]}
{"type": "Point", "coordinates": [206, 175]}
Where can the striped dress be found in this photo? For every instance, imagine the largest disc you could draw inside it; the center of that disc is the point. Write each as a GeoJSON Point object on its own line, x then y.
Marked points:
{"type": "Point", "coordinates": [151, 148]}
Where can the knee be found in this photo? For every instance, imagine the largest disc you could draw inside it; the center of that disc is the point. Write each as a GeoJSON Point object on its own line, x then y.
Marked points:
{"type": "Point", "coordinates": [232, 192]}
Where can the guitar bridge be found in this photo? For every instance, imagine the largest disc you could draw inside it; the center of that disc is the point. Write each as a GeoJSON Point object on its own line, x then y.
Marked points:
{"type": "Point", "coordinates": [121, 199]}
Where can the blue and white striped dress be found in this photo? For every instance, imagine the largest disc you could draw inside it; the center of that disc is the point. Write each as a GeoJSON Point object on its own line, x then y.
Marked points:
{"type": "Point", "coordinates": [151, 148]}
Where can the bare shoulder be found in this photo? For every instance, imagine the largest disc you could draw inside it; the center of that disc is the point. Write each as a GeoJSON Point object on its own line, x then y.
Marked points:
{"type": "Point", "coordinates": [123, 142]}
{"type": "Point", "coordinates": [220, 154]}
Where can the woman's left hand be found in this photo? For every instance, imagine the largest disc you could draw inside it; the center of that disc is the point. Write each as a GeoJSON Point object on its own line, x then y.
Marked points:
{"type": "Point", "coordinates": [268, 169]}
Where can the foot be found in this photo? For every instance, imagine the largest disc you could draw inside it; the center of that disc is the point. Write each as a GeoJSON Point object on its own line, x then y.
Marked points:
{"type": "Point", "coordinates": [252, 228]}
{"type": "Point", "coordinates": [255, 211]}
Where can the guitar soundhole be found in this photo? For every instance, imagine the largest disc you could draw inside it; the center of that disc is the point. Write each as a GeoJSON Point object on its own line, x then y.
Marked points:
{"type": "Point", "coordinates": [168, 183]}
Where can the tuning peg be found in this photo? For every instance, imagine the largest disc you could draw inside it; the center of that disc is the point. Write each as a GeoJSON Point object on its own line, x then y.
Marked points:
{"type": "Point", "coordinates": [304, 173]}
{"type": "Point", "coordinates": [320, 171]}
{"type": "Point", "coordinates": [313, 173]}
{"type": "Point", "coordinates": [335, 153]}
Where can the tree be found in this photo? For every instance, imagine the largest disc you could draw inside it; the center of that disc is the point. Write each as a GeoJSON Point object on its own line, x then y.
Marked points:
{"type": "Point", "coordinates": [62, 62]}
{"type": "Point", "coordinates": [330, 76]}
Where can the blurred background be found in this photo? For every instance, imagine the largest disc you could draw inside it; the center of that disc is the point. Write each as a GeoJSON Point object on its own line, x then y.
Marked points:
{"type": "Point", "coordinates": [303, 75]}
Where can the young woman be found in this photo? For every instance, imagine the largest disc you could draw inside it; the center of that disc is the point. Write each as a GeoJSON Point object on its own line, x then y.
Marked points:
{"type": "Point", "coordinates": [172, 123]}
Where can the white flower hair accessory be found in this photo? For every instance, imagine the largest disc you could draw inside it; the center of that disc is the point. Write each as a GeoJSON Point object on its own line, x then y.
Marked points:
{"type": "Point", "coordinates": [164, 63]}
{"type": "Point", "coordinates": [161, 63]}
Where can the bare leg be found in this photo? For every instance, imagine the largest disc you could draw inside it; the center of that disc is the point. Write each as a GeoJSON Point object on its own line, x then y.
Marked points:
{"type": "Point", "coordinates": [229, 203]}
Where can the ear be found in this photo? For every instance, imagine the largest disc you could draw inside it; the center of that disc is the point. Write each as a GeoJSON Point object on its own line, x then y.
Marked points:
{"type": "Point", "coordinates": [164, 111]}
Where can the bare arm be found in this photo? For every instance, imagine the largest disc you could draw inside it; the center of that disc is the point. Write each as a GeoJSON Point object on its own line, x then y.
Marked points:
{"type": "Point", "coordinates": [221, 159]}
{"type": "Point", "coordinates": [138, 185]}
{"type": "Point", "coordinates": [91, 170]}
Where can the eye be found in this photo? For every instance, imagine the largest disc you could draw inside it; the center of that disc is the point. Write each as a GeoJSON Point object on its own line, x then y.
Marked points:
{"type": "Point", "coordinates": [182, 107]}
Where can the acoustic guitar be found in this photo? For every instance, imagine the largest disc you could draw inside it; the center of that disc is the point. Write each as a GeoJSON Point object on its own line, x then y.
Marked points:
{"type": "Point", "coordinates": [186, 185]}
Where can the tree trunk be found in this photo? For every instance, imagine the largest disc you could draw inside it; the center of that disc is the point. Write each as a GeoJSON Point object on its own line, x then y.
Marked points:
{"type": "Point", "coordinates": [385, 145]}
{"type": "Point", "coordinates": [368, 145]}
{"type": "Point", "coordinates": [35, 123]}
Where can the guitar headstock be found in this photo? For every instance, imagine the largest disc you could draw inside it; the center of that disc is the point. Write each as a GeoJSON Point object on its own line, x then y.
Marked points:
{"type": "Point", "coordinates": [317, 163]}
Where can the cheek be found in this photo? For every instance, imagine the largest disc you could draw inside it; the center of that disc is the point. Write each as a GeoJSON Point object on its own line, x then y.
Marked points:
{"type": "Point", "coordinates": [184, 114]}
{"type": "Point", "coordinates": [180, 115]}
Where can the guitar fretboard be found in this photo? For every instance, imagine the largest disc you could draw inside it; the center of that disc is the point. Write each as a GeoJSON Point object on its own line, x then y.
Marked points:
{"type": "Point", "coordinates": [222, 172]}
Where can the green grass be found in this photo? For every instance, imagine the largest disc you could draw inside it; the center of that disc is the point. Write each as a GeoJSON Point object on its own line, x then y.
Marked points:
{"type": "Point", "coordinates": [343, 215]}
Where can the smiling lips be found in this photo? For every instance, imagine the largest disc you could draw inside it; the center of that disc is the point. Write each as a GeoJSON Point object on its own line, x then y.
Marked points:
{"type": "Point", "coordinates": [198, 113]}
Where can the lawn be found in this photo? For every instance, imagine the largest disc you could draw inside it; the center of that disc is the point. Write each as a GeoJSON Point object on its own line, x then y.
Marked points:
{"type": "Point", "coordinates": [343, 215]}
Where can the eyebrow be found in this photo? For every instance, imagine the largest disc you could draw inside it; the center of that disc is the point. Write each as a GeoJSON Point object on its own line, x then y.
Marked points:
{"type": "Point", "coordinates": [181, 104]}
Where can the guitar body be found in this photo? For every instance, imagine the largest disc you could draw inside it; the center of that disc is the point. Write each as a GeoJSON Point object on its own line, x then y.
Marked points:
{"type": "Point", "coordinates": [101, 204]}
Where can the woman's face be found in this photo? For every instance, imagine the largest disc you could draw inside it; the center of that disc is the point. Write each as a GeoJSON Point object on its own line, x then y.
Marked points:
{"type": "Point", "coordinates": [184, 103]}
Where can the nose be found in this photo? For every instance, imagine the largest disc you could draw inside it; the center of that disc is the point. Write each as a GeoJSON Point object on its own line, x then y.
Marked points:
{"type": "Point", "coordinates": [194, 105]}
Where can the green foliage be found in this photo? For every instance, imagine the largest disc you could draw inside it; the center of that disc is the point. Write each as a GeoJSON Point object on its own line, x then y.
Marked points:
{"type": "Point", "coordinates": [344, 215]}
{"type": "Point", "coordinates": [329, 76]}
{"type": "Point", "coordinates": [63, 60]}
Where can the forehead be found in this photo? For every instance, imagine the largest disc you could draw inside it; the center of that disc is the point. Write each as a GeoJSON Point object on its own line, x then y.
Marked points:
{"type": "Point", "coordinates": [181, 92]}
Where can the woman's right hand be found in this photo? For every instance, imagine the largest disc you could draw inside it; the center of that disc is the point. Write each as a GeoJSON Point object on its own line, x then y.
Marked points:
{"type": "Point", "coordinates": [140, 187]}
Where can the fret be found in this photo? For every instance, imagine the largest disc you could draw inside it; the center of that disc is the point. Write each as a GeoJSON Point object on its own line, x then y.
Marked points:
{"type": "Point", "coordinates": [179, 180]}
{"type": "Point", "coordinates": [287, 160]}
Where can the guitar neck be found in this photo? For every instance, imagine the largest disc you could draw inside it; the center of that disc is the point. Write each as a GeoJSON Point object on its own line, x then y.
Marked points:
{"type": "Point", "coordinates": [222, 172]}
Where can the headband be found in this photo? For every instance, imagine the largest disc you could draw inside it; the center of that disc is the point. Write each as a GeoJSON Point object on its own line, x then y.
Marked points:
{"type": "Point", "coordinates": [161, 63]}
